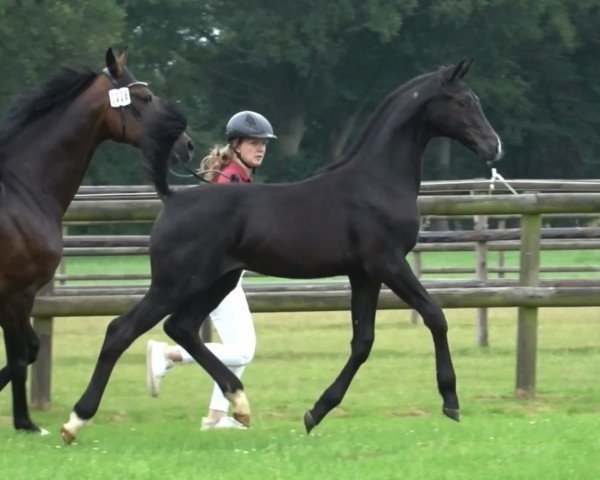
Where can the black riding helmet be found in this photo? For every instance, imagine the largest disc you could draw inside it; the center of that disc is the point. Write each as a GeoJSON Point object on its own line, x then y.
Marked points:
{"type": "Point", "coordinates": [248, 124]}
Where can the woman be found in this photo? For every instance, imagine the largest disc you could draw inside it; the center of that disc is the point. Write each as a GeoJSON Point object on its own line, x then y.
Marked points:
{"type": "Point", "coordinates": [247, 135]}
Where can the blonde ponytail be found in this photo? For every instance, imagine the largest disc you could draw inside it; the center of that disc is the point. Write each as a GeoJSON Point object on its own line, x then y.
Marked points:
{"type": "Point", "coordinates": [218, 157]}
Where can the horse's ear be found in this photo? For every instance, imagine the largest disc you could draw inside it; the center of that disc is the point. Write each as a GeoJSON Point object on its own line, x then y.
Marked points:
{"type": "Point", "coordinates": [467, 62]}
{"type": "Point", "coordinates": [123, 57]}
{"type": "Point", "coordinates": [112, 64]}
{"type": "Point", "coordinates": [459, 71]}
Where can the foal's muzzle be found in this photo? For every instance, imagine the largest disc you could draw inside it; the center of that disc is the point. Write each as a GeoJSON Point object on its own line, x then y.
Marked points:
{"type": "Point", "coordinates": [489, 148]}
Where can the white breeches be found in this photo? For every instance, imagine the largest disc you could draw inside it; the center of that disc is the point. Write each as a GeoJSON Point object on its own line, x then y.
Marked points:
{"type": "Point", "coordinates": [233, 322]}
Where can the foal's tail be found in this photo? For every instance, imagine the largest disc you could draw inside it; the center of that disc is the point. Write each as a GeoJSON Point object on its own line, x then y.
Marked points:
{"type": "Point", "coordinates": [162, 128]}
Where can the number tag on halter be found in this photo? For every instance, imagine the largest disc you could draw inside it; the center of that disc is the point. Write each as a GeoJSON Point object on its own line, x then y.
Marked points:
{"type": "Point", "coordinates": [119, 97]}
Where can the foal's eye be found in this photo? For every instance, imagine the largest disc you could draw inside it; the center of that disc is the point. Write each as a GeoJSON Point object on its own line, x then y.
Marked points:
{"type": "Point", "coordinates": [464, 103]}
{"type": "Point", "coordinates": [147, 98]}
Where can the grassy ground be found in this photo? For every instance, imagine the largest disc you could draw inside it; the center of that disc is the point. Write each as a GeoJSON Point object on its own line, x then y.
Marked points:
{"type": "Point", "coordinates": [389, 426]}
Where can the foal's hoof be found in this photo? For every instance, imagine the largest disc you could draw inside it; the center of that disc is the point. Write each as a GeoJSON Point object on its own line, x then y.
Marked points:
{"type": "Point", "coordinates": [309, 422]}
{"type": "Point", "coordinates": [243, 418]}
{"type": "Point", "coordinates": [451, 413]}
{"type": "Point", "coordinates": [66, 435]}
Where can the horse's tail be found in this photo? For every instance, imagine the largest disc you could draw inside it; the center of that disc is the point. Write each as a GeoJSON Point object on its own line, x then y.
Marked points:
{"type": "Point", "coordinates": [162, 128]}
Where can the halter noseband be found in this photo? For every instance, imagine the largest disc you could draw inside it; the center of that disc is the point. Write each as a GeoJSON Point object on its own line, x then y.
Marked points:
{"type": "Point", "coordinates": [120, 98]}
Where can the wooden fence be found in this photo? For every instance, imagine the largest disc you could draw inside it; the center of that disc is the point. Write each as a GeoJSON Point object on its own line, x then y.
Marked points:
{"type": "Point", "coordinates": [528, 293]}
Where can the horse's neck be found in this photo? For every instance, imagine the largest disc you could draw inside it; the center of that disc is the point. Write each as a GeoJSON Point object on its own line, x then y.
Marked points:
{"type": "Point", "coordinates": [53, 165]}
{"type": "Point", "coordinates": [394, 157]}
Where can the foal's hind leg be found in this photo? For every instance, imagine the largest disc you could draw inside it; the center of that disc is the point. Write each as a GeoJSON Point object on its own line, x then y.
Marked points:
{"type": "Point", "coordinates": [183, 327]}
{"type": "Point", "coordinates": [120, 334]}
{"type": "Point", "coordinates": [402, 281]}
{"type": "Point", "coordinates": [365, 292]}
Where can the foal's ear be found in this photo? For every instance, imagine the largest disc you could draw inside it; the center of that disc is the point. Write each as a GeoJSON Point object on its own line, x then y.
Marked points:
{"type": "Point", "coordinates": [460, 70]}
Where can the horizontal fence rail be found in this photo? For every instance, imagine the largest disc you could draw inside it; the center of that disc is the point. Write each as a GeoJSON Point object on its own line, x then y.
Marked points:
{"type": "Point", "coordinates": [528, 203]}
{"type": "Point", "coordinates": [424, 237]}
{"type": "Point", "coordinates": [307, 300]}
{"type": "Point", "coordinates": [427, 187]}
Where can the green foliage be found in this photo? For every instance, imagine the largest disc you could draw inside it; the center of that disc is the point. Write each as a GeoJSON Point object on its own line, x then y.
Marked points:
{"type": "Point", "coordinates": [318, 71]}
{"type": "Point", "coordinates": [38, 37]}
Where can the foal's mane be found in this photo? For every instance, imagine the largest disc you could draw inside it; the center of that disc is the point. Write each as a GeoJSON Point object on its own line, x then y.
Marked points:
{"type": "Point", "coordinates": [399, 101]}
{"type": "Point", "coordinates": [31, 104]}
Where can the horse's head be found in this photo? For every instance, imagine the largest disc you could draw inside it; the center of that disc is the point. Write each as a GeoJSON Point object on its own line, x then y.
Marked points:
{"type": "Point", "coordinates": [128, 101]}
{"type": "Point", "coordinates": [455, 112]}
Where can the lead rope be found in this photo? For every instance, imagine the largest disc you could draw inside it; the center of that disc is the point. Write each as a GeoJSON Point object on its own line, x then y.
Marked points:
{"type": "Point", "coordinates": [198, 175]}
{"type": "Point", "coordinates": [496, 176]}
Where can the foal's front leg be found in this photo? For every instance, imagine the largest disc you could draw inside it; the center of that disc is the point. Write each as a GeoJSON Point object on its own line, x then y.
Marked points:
{"type": "Point", "coordinates": [365, 292]}
{"type": "Point", "coordinates": [120, 334]}
{"type": "Point", "coordinates": [399, 277]}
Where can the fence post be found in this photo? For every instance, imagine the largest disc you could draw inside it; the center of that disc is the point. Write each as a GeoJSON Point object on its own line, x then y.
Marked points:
{"type": "Point", "coordinates": [481, 272]}
{"type": "Point", "coordinates": [62, 266]}
{"type": "Point", "coordinates": [41, 369]}
{"type": "Point", "coordinates": [501, 226]}
{"type": "Point", "coordinates": [480, 224]}
{"type": "Point", "coordinates": [527, 318]}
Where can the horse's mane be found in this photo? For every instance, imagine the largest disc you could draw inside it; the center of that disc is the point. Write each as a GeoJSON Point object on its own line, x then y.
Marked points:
{"type": "Point", "coordinates": [162, 127]}
{"type": "Point", "coordinates": [31, 104]}
{"type": "Point", "coordinates": [377, 117]}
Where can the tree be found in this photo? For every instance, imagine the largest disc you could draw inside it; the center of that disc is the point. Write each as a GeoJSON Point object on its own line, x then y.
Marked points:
{"type": "Point", "coordinates": [318, 70]}
{"type": "Point", "coordinates": [38, 37]}
{"type": "Point", "coordinates": [280, 58]}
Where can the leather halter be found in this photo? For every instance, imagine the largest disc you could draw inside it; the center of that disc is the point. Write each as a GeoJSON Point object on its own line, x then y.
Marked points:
{"type": "Point", "coordinates": [121, 108]}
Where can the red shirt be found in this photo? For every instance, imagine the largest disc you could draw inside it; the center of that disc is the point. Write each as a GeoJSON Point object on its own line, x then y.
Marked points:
{"type": "Point", "coordinates": [233, 172]}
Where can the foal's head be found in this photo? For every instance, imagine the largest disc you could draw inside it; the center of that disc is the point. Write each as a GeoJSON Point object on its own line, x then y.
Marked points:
{"type": "Point", "coordinates": [128, 101]}
{"type": "Point", "coordinates": [455, 112]}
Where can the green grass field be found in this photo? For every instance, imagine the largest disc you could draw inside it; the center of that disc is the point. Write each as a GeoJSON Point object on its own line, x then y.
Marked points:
{"type": "Point", "coordinates": [389, 426]}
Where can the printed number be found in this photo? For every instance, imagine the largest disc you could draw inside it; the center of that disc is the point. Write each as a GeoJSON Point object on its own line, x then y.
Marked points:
{"type": "Point", "coordinates": [119, 97]}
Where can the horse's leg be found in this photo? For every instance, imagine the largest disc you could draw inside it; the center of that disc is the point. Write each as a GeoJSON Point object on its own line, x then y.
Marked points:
{"type": "Point", "coordinates": [365, 292]}
{"type": "Point", "coordinates": [4, 377]}
{"type": "Point", "coordinates": [4, 374]}
{"type": "Point", "coordinates": [120, 334]}
{"type": "Point", "coordinates": [22, 347]}
{"type": "Point", "coordinates": [399, 277]}
{"type": "Point", "coordinates": [32, 352]}
{"type": "Point", "coordinates": [183, 327]}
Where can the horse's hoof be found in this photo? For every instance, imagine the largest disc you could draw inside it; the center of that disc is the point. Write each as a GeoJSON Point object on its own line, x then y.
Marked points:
{"type": "Point", "coordinates": [243, 418]}
{"type": "Point", "coordinates": [30, 427]}
{"type": "Point", "coordinates": [67, 436]}
{"type": "Point", "coordinates": [309, 422]}
{"type": "Point", "coordinates": [452, 413]}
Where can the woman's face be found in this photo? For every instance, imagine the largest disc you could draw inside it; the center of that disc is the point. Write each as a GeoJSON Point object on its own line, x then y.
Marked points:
{"type": "Point", "coordinates": [252, 150]}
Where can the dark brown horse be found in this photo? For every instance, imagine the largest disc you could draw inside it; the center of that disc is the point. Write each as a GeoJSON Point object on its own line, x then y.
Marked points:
{"type": "Point", "coordinates": [46, 143]}
{"type": "Point", "coordinates": [357, 217]}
